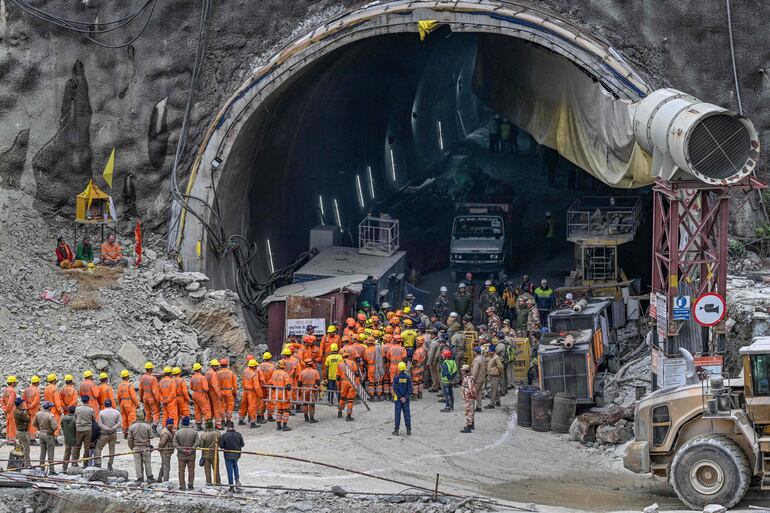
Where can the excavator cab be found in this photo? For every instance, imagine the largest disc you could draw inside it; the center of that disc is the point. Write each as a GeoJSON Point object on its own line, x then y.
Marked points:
{"type": "Point", "coordinates": [756, 381]}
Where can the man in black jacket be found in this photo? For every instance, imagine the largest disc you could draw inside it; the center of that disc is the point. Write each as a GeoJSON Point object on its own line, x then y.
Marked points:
{"type": "Point", "coordinates": [232, 443]}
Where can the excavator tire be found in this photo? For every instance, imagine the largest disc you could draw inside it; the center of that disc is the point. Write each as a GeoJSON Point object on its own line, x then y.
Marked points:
{"type": "Point", "coordinates": [710, 469]}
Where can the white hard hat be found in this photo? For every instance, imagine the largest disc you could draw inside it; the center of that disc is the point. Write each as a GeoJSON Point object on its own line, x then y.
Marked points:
{"type": "Point", "coordinates": [453, 314]}
{"type": "Point", "coordinates": [461, 285]}
{"type": "Point", "coordinates": [488, 282]}
{"type": "Point", "coordinates": [548, 214]}
{"type": "Point", "coordinates": [386, 304]}
{"type": "Point", "coordinates": [569, 295]}
{"type": "Point", "coordinates": [444, 289]}
{"type": "Point", "coordinates": [418, 308]}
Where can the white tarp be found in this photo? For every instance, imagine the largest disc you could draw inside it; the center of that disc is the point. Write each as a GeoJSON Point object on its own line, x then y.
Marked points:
{"type": "Point", "coordinates": [562, 107]}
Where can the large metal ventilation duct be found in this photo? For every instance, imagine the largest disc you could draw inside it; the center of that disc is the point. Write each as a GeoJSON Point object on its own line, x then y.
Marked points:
{"type": "Point", "coordinates": [687, 137]}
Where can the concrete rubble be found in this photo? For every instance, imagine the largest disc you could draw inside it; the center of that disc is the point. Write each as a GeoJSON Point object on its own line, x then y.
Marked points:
{"type": "Point", "coordinates": [598, 428]}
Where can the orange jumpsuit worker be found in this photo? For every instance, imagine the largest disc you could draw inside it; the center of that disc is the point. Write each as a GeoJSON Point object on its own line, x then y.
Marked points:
{"type": "Point", "coordinates": [9, 405]}
{"type": "Point", "coordinates": [149, 394]}
{"type": "Point", "coordinates": [105, 390]}
{"type": "Point", "coordinates": [200, 396]}
{"type": "Point", "coordinates": [89, 388]}
{"type": "Point", "coordinates": [51, 394]}
{"type": "Point", "coordinates": [281, 396]}
{"type": "Point", "coordinates": [228, 385]}
{"type": "Point", "coordinates": [251, 387]}
{"type": "Point", "coordinates": [396, 354]}
{"type": "Point", "coordinates": [375, 371]}
{"type": "Point", "coordinates": [386, 347]}
{"type": "Point", "coordinates": [31, 397]}
{"type": "Point", "coordinates": [347, 370]}
{"type": "Point", "coordinates": [292, 369]}
{"type": "Point", "coordinates": [182, 393]}
{"type": "Point", "coordinates": [167, 392]}
{"type": "Point", "coordinates": [418, 367]}
{"type": "Point", "coordinates": [68, 394]}
{"type": "Point", "coordinates": [215, 393]}
{"type": "Point", "coordinates": [128, 402]}
{"type": "Point", "coordinates": [309, 380]}
{"type": "Point", "coordinates": [265, 371]}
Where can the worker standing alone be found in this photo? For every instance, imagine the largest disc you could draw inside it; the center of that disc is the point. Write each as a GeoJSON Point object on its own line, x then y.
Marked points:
{"type": "Point", "coordinates": [402, 392]}
{"type": "Point", "coordinates": [149, 394]}
{"type": "Point", "coordinates": [127, 401]}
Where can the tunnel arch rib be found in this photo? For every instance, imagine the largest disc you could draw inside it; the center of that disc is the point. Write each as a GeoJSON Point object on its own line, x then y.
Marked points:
{"type": "Point", "coordinates": [595, 57]}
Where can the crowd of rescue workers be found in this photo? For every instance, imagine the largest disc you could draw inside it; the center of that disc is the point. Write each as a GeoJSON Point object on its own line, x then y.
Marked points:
{"type": "Point", "coordinates": [383, 353]}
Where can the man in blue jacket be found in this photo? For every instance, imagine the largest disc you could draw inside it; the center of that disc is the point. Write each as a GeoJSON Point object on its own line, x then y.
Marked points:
{"type": "Point", "coordinates": [402, 391]}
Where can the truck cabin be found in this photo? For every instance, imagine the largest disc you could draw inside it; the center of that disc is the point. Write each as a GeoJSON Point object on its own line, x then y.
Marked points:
{"type": "Point", "coordinates": [756, 380]}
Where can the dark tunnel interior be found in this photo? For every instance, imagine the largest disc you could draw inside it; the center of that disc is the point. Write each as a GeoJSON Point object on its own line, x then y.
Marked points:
{"type": "Point", "coordinates": [362, 128]}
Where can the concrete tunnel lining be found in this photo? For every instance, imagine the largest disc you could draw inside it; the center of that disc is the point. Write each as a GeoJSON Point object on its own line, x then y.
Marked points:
{"type": "Point", "coordinates": [243, 108]}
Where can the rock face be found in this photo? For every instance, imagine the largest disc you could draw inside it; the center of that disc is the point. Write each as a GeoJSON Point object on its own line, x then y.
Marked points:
{"type": "Point", "coordinates": [132, 97]}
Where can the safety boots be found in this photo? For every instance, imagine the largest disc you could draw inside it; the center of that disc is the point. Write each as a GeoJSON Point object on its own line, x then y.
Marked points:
{"type": "Point", "coordinates": [473, 425]}
{"type": "Point", "coordinates": [241, 422]}
{"type": "Point", "coordinates": [307, 418]}
{"type": "Point", "coordinates": [261, 419]}
{"type": "Point", "coordinates": [408, 431]}
{"type": "Point", "coordinates": [278, 426]}
{"type": "Point", "coordinates": [466, 429]}
{"type": "Point", "coordinates": [395, 432]}
{"type": "Point", "coordinates": [253, 425]}
{"type": "Point", "coordinates": [339, 414]}
{"type": "Point", "coordinates": [349, 418]}
{"type": "Point", "coordinates": [312, 418]}
{"type": "Point", "coordinates": [270, 418]}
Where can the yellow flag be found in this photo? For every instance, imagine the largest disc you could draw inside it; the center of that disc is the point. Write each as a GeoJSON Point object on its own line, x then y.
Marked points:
{"type": "Point", "coordinates": [108, 169]}
{"type": "Point", "coordinates": [425, 27]}
{"type": "Point", "coordinates": [88, 195]}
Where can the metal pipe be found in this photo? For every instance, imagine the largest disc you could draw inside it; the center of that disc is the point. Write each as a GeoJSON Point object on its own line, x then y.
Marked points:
{"type": "Point", "coordinates": [732, 56]}
{"type": "Point", "coordinates": [690, 377]}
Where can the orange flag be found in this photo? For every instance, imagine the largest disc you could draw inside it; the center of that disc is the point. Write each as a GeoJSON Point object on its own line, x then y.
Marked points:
{"type": "Point", "coordinates": [138, 243]}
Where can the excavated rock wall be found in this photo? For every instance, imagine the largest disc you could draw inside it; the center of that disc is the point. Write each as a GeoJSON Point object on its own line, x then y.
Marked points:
{"type": "Point", "coordinates": [65, 102]}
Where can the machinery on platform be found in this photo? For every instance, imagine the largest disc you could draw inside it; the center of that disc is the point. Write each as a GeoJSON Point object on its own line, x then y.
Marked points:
{"type": "Point", "coordinates": [710, 437]}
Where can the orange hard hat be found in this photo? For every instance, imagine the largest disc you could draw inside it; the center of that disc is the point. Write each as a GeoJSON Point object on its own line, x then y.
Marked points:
{"type": "Point", "coordinates": [399, 313]}
{"type": "Point", "coordinates": [375, 318]}
{"type": "Point", "coordinates": [345, 352]}
{"type": "Point", "coordinates": [361, 317]}
{"type": "Point", "coordinates": [360, 330]}
{"type": "Point", "coordinates": [224, 361]}
{"type": "Point", "coordinates": [249, 358]}
{"type": "Point", "coordinates": [281, 364]}
{"type": "Point", "coordinates": [388, 338]}
{"type": "Point", "coordinates": [446, 353]}
{"type": "Point", "coordinates": [389, 330]}
{"type": "Point", "coordinates": [397, 337]}
{"type": "Point", "coordinates": [395, 320]}
{"type": "Point", "coordinates": [350, 322]}
{"type": "Point", "coordinates": [309, 362]}
{"type": "Point", "coordinates": [308, 339]}
{"type": "Point", "coordinates": [390, 314]}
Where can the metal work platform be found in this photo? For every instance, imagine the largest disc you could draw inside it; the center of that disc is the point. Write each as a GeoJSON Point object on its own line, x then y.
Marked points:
{"type": "Point", "coordinates": [603, 220]}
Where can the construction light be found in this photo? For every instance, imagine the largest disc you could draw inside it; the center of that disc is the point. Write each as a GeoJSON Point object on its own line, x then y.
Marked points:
{"type": "Point", "coordinates": [392, 165]}
{"type": "Point", "coordinates": [321, 206]}
{"type": "Point", "coordinates": [440, 137]}
{"type": "Point", "coordinates": [371, 181]}
{"type": "Point", "coordinates": [270, 257]}
{"type": "Point", "coordinates": [215, 163]}
{"type": "Point", "coordinates": [360, 191]}
{"type": "Point", "coordinates": [337, 213]}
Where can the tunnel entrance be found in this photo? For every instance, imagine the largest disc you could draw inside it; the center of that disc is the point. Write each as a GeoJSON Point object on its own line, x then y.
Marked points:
{"type": "Point", "coordinates": [395, 125]}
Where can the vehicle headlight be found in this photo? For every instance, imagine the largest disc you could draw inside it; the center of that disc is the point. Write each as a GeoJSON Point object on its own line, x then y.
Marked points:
{"type": "Point", "coordinates": [457, 256]}
{"type": "Point", "coordinates": [493, 257]}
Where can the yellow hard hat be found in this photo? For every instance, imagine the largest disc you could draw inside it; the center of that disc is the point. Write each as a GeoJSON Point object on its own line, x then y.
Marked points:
{"type": "Point", "coordinates": [331, 329]}
{"type": "Point", "coordinates": [51, 377]}
{"type": "Point", "coordinates": [88, 374]}
{"type": "Point", "coordinates": [492, 288]}
{"type": "Point", "coordinates": [68, 377]}
{"type": "Point", "coordinates": [91, 265]}
{"type": "Point", "coordinates": [266, 355]}
{"type": "Point", "coordinates": [124, 373]}
{"type": "Point", "coordinates": [176, 370]}
{"type": "Point", "coordinates": [197, 366]}
{"type": "Point", "coordinates": [368, 331]}
{"type": "Point", "coordinates": [252, 363]}
{"type": "Point", "coordinates": [333, 347]}
{"type": "Point", "coordinates": [286, 351]}
{"type": "Point", "coordinates": [407, 309]}
{"type": "Point", "coordinates": [103, 375]}
{"type": "Point", "coordinates": [148, 366]}
{"type": "Point", "coordinates": [11, 379]}
{"type": "Point", "coordinates": [166, 370]}
{"type": "Point", "coordinates": [408, 322]}
{"type": "Point", "coordinates": [214, 363]}
{"type": "Point", "coordinates": [362, 337]}
{"type": "Point", "coordinates": [34, 379]}
{"type": "Point", "coordinates": [401, 366]}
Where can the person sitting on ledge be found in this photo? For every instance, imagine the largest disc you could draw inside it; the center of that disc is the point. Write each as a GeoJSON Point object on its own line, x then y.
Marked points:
{"type": "Point", "coordinates": [112, 255]}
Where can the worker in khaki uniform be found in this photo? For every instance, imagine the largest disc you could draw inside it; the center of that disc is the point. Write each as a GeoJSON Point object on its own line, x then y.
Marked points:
{"type": "Point", "coordinates": [127, 401]}
{"type": "Point", "coordinates": [186, 442]}
{"type": "Point", "coordinates": [200, 396]}
{"type": "Point", "coordinates": [31, 397]}
{"type": "Point", "coordinates": [51, 394]}
{"type": "Point", "coordinates": [215, 393]}
{"type": "Point", "coordinates": [89, 388]}
{"type": "Point", "coordinates": [105, 391]}
{"type": "Point", "coordinates": [209, 444]}
{"type": "Point", "coordinates": [149, 394]}
{"type": "Point", "coordinates": [182, 393]}
{"type": "Point", "coordinates": [479, 373]}
{"type": "Point", "coordinates": [139, 436]}
{"type": "Point", "coordinates": [228, 386]}
{"type": "Point", "coordinates": [85, 416]}
{"type": "Point", "coordinates": [109, 424]}
{"type": "Point", "coordinates": [167, 396]}
{"type": "Point", "coordinates": [46, 424]}
{"type": "Point", "coordinates": [251, 387]}
{"type": "Point", "coordinates": [166, 449]}
{"type": "Point", "coordinates": [494, 374]}
{"type": "Point", "coordinates": [21, 420]}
